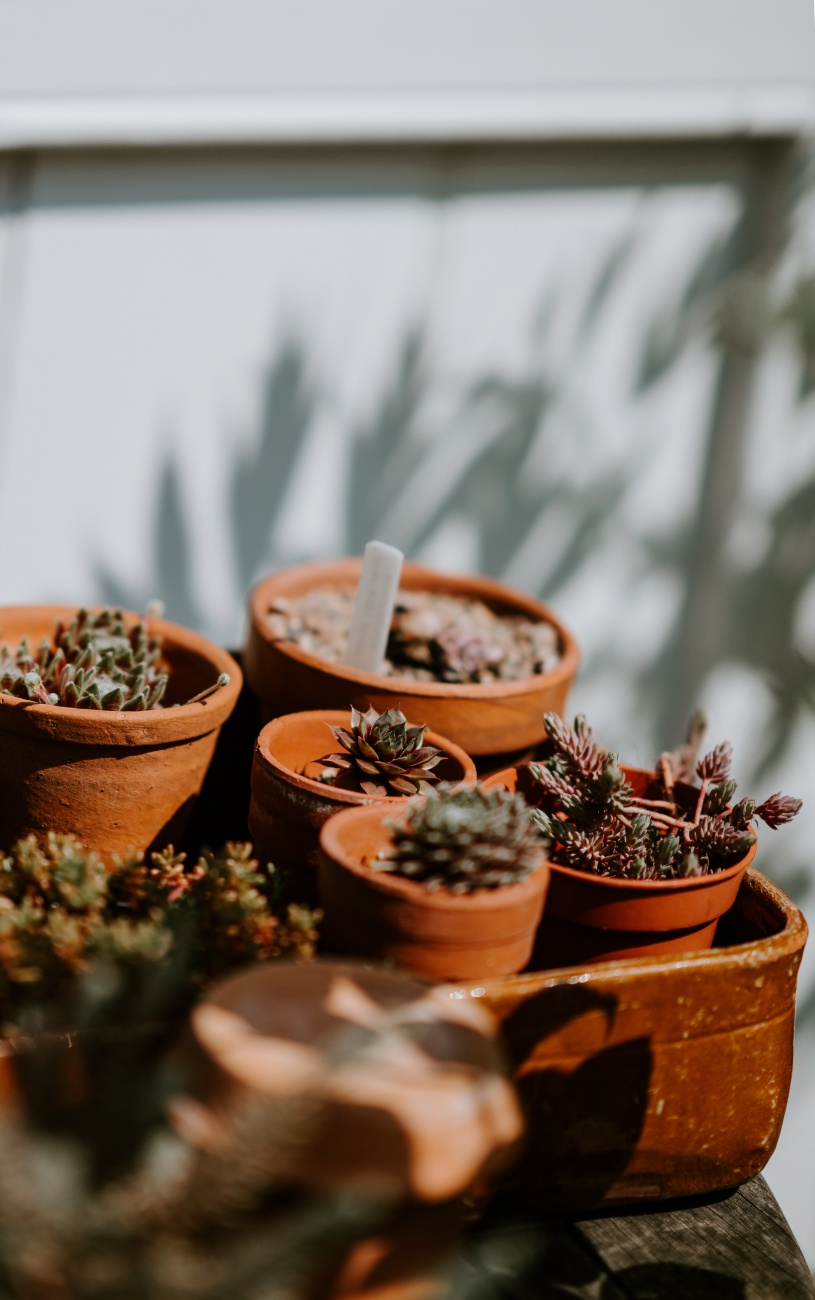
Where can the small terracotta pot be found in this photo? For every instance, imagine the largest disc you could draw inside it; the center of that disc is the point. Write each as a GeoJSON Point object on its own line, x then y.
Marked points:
{"type": "Point", "coordinates": [500, 718]}
{"type": "Point", "coordinates": [599, 918]}
{"type": "Point", "coordinates": [435, 933]}
{"type": "Point", "coordinates": [289, 805]}
{"type": "Point", "coordinates": [118, 781]}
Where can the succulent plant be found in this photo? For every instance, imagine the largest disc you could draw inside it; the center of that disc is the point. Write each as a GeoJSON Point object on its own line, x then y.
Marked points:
{"type": "Point", "coordinates": [95, 662]}
{"type": "Point", "coordinates": [464, 839]}
{"type": "Point", "coordinates": [381, 754]}
{"type": "Point", "coordinates": [595, 822]}
{"type": "Point", "coordinates": [61, 909]}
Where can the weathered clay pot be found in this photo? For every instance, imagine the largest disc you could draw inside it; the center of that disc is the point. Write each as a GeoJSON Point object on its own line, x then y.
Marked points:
{"type": "Point", "coordinates": [118, 781]}
{"type": "Point", "coordinates": [339, 1077]}
{"type": "Point", "coordinates": [289, 805]}
{"type": "Point", "coordinates": [598, 918]}
{"type": "Point", "coordinates": [435, 933]}
{"type": "Point", "coordinates": [485, 720]}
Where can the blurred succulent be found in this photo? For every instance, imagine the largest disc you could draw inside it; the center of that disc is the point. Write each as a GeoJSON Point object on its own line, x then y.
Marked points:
{"type": "Point", "coordinates": [381, 754]}
{"type": "Point", "coordinates": [595, 822]}
{"type": "Point", "coordinates": [95, 662]}
{"type": "Point", "coordinates": [61, 910]}
{"type": "Point", "coordinates": [464, 839]}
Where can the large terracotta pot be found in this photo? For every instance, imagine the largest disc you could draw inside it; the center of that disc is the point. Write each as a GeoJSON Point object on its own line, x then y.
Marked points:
{"type": "Point", "coordinates": [485, 720]}
{"type": "Point", "coordinates": [289, 806]}
{"type": "Point", "coordinates": [599, 918]}
{"type": "Point", "coordinates": [118, 781]}
{"type": "Point", "coordinates": [435, 933]}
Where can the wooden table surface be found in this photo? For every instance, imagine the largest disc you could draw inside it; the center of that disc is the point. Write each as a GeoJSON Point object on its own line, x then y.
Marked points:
{"type": "Point", "coordinates": [734, 1246]}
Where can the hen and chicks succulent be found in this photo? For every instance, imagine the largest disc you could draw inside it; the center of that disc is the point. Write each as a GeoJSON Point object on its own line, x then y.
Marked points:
{"type": "Point", "coordinates": [94, 662]}
{"type": "Point", "coordinates": [381, 755]}
{"type": "Point", "coordinates": [464, 839]}
{"type": "Point", "coordinates": [596, 822]}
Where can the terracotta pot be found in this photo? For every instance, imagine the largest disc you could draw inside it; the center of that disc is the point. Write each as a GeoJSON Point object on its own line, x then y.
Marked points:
{"type": "Point", "coordinates": [118, 781]}
{"type": "Point", "coordinates": [335, 1077]}
{"type": "Point", "coordinates": [486, 721]}
{"type": "Point", "coordinates": [598, 918]}
{"type": "Point", "coordinates": [435, 933]}
{"type": "Point", "coordinates": [289, 805]}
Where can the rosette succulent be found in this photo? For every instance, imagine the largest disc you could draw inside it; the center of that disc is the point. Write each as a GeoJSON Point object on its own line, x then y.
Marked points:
{"type": "Point", "coordinates": [595, 822]}
{"type": "Point", "coordinates": [381, 755]}
{"type": "Point", "coordinates": [94, 662]}
{"type": "Point", "coordinates": [464, 839]}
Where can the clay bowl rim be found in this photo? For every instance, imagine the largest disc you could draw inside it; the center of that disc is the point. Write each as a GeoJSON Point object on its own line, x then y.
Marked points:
{"type": "Point", "coordinates": [352, 798]}
{"type": "Point", "coordinates": [790, 940]}
{"type": "Point", "coordinates": [647, 886]}
{"type": "Point", "coordinates": [147, 726]}
{"type": "Point", "coordinates": [493, 593]}
{"type": "Point", "coordinates": [412, 891]}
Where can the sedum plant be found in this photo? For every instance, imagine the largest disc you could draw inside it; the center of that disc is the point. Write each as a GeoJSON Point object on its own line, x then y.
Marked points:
{"type": "Point", "coordinates": [596, 823]}
{"type": "Point", "coordinates": [95, 662]}
{"type": "Point", "coordinates": [62, 910]}
{"type": "Point", "coordinates": [464, 839]}
{"type": "Point", "coordinates": [381, 755]}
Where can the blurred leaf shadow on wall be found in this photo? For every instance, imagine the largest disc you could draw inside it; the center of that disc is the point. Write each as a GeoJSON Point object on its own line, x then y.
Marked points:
{"type": "Point", "coordinates": [261, 475]}
{"type": "Point", "coordinates": [408, 478]}
{"type": "Point", "coordinates": [172, 566]}
{"type": "Point", "coordinates": [258, 485]}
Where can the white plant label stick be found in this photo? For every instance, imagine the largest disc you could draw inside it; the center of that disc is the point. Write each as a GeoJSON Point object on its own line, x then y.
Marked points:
{"type": "Point", "coordinates": [373, 607]}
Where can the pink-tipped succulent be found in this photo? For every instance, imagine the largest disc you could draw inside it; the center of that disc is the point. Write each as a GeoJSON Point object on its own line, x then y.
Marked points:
{"type": "Point", "coordinates": [596, 822]}
{"type": "Point", "coordinates": [381, 755]}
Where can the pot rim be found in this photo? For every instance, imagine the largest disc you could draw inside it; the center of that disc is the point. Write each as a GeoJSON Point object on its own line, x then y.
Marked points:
{"type": "Point", "coordinates": [644, 886]}
{"type": "Point", "coordinates": [114, 726]}
{"type": "Point", "coordinates": [493, 593]}
{"type": "Point", "coordinates": [334, 850]}
{"type": "Point", "coordinates": [353, 798]}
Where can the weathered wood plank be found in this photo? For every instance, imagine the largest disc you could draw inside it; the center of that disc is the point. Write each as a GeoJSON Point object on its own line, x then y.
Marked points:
{"type": "Point", "coordinates": [736, 1247]}
{"type": "Point", "coordinates": [739, 1247]}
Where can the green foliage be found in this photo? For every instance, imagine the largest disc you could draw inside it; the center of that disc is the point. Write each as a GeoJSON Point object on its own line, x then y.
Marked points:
{"type": "Point", "coordinates": [381, 755]}
{"type": "Point", "coordinates": [464, 839]}
{"type": "Point", "coordinates": [61, 910]}
{"type": "Point", "coordinates": [595, 821]}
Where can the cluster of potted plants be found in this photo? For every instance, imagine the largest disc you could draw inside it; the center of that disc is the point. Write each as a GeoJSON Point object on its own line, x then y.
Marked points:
{"type": "Point", "coordinates": [636, 862]}
{"type": "Point", "coordinates": [438, 816]}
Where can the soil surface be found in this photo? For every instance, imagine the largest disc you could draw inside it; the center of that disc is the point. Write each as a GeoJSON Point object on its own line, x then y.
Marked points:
{"type": "Point", "coordinates": [433, 637]}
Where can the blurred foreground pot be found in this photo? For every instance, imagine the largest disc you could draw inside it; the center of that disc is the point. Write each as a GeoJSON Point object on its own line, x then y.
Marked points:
{"type": "Point", "coordinates": [487, 721]}
{"type": "Point", "coordinates": [593, 918]}
{"type": "Point", "coordinates": [289, 805]}
{"type": "Point", "coordinates": [340, 1077]}
{"type": "Point", "coordinates": [435, 933]}
{"type": "Point", "coordinates": [116, 780]}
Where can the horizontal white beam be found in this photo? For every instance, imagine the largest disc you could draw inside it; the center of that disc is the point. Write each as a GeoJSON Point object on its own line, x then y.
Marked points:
{"type": "Point", "coordinates": [34, 123]}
